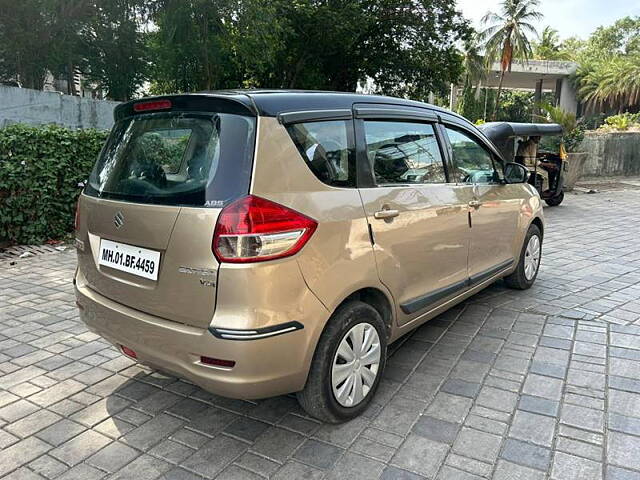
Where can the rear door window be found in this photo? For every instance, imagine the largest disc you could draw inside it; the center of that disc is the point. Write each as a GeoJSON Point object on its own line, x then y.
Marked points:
{"type": "Point", "coordinates": [404, 153]}
{"type": "Point", "coordinates": [327, 149]}
{"type": "Point", "coordinates": [183, 159]}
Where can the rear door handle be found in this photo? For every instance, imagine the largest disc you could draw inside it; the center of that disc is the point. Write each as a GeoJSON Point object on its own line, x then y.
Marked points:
{"type": "Point", "coordinates": [474, 204]}
{"type": "Point", "coordinates": [384, 214]}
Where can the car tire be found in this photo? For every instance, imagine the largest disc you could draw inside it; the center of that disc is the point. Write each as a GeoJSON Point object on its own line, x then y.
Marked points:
{"type": "Point", "coordinates": [328, 402]}
{"type": "Point", "coordinates": [555, 201]}
{"type": "Point", "coordinates": [523, 276]}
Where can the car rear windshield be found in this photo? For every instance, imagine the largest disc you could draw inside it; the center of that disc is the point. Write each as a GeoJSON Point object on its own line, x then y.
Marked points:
{"type": "Point", "coordinates": [186, 159]}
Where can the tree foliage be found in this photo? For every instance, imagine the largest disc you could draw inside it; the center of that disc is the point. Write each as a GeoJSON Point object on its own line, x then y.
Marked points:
{"type": "Point", "coordinates": [103, 39]}
{"type": "Point", "coordinates": [515, 105]}
{"type": "Point", "coordinates": [550, 47]}
{"type": "Point", "coordinates": [114, 48]}
{"type": "Point", "coordinates": [623, 37]}
{"type": "Point", "coordinates": [67, 18]}
{"type": "Point", "coordinates": [401, 47]}
{"type": "Point", "coordinates": [507, 34]}
{"type": "Point", "coordinates": [25, 32]}
{"type": "Point", "coordinates": [608, 76]}
{"type": "Point", "coordinates": [474, 62]}
{"type": "Point", "coordinates": [406, 46]}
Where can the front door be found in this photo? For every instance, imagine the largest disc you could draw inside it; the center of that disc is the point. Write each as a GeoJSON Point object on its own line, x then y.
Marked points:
{"type": "Point", "coordinates": [494, 206]}
{"type": "Point", "coordinates": [418, 222]}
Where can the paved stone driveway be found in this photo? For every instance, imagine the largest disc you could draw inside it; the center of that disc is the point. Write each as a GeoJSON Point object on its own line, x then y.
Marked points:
{"type": "Point", "coordinates": [511, 385]}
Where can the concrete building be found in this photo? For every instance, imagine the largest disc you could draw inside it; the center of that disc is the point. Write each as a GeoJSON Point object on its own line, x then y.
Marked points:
{"type": "Point", "coordinates": [537, 76]}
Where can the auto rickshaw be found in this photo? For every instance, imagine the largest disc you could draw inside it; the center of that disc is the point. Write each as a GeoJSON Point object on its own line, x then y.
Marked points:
{"type": "Point", "coordinates": [519, 142]}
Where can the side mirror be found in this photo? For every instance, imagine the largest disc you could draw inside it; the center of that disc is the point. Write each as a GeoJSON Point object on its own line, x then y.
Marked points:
{"type": "Point", "coordinates": [515, 173]}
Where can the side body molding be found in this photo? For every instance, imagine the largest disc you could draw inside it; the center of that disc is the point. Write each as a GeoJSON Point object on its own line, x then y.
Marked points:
{"type": "Point", "coordinates": [432, 298]}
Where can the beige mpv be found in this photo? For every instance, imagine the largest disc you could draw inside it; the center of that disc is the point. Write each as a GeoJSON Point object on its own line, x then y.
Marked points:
{"type": "Point", "coordinates": [259, 243]}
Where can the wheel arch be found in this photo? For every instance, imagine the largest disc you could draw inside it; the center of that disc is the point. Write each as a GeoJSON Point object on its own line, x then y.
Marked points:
{"type": "Point", "coordinates": [537, 221]}
{"type": "Point", "coordinates": [374, 297]}
{"type": "Point", "coordinates": [378, 300]}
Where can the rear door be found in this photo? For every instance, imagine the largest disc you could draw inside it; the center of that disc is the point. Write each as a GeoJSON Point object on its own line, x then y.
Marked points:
{"type": "Point", "coordinates": [418, 224]}
{"type": "Point", "coordinates": [494, 206]}
{"type": "Point", "coordinates": [149, 209]}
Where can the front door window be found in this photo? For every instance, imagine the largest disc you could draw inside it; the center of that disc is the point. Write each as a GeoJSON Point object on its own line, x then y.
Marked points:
{"type": "Point", "coordinates": [471, 161]}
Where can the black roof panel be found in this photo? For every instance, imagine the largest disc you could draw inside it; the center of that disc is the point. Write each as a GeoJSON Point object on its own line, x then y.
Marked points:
{"type": "Point", "coordinates": [272, 102]}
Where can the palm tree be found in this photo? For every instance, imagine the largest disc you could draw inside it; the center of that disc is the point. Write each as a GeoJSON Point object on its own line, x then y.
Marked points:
{"type": "Point", "coordinates": [475, 72]}
{"type": "Point", "coordinates": [557, 115]}
{"type": "Point", "coordinates": [474, 63]}
{"type": "Point", "coordinates": [612, 83]}
{"type": "Point", "coordinates": [549, 47]}
{"type": "Point", "coordinates": [506, 35]}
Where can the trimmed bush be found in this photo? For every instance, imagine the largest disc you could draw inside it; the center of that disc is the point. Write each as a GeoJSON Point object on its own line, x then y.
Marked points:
{"type": "Point", "coordinates": [622, 122]}
{"type": "Point", "coordinates": [40, 169]}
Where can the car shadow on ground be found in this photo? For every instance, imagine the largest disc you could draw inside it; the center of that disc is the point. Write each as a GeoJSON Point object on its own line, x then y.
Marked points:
{"type": "Point", "coordinates": [150, 404]}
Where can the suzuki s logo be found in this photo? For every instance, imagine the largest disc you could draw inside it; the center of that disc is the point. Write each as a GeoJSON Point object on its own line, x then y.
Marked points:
{"type": "Point", "coordinates": [118, 220]}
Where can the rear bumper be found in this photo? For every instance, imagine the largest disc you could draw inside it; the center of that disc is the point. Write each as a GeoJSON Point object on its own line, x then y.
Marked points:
{"type": "Point", "coordinates": [265, 366]}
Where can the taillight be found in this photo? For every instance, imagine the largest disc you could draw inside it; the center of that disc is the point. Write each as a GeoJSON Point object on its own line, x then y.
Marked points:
{"type": "Point", "coordinates": [76, 222]}
{"type": "Point", "coordinates": [253, 229]}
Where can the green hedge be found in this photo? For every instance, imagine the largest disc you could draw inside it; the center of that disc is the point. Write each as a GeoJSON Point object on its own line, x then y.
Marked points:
{"type": "Point", "coordinates": [40, 168]}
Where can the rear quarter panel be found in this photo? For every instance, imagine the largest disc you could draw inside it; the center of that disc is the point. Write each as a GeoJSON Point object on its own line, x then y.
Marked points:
{"type": "Point", "coordinates": [339, 258]}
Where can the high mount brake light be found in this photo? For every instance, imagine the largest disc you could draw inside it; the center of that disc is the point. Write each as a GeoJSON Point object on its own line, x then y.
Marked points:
{"type": "Point", "coordinates": [253, 229]}
{"type": "Point", "coordinates": [152, 105]}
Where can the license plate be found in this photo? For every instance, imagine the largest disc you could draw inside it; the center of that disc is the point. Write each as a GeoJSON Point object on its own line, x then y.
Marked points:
{"type": "Point", "coordinates": [127, 258]}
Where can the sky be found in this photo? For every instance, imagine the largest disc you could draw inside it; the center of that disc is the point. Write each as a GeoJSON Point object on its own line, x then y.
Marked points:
{"type": "Point", "coordinates": [569, 17]}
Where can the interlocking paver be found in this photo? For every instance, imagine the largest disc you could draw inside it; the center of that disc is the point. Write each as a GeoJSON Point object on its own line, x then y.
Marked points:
{"type": "Point", "coordinates": [420, 455]}
{"type": "Point", "coordinates": [277, 443]}
{"type": "Point", "coordinates": [60, 432]}
{"type": "Point", "coordinates": [533, 428]}
{"type": "Point", "coordinates": [509, 385]}
{"type": "Point", "coordinates": [451, 408]}
{"type": "Point", "coordinates": [113, 457]}
{"type": "Point", "coordinates": [624, 403]}
{"type": "Point", "coordinates": [355, 466]}
{"type": "Point", "coordinates": [21, 453]}
{"type": "Point", "coordinates": [214, 456]}
{"type": "Point", "coordinates": [584, 418]}
{"type": "Point", "coordinates": [437, 430]}
{"type": "Point", "coordinates": [581, 449]}
{"type": "Point", "coordinates": [526, 454]}
{"type": "Point", "coordinates": [80, 447]}
{"type": "Point", "coordinates": [318, 454]}
{"type": "Point", "coordinates": [144, 467]}
{"type": "Point", "coordinates": [617, 473]}
{"type": "Point", "coordinates": [294, 469]}
{"type": "Point", "coordinates": [570, 467]}
{"type": "Point", "coordinates": [48, 467]}
{"type": "Point", "coordinates": [33, 423]}
{"type": "Point", "coordinates": [624, 450]}
{"type": "Point", "coordinates": [541, 386]}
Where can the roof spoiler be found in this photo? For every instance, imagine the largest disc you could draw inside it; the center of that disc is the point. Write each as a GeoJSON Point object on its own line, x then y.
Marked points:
{"type": "Point", "coordinates": [187, 102]}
